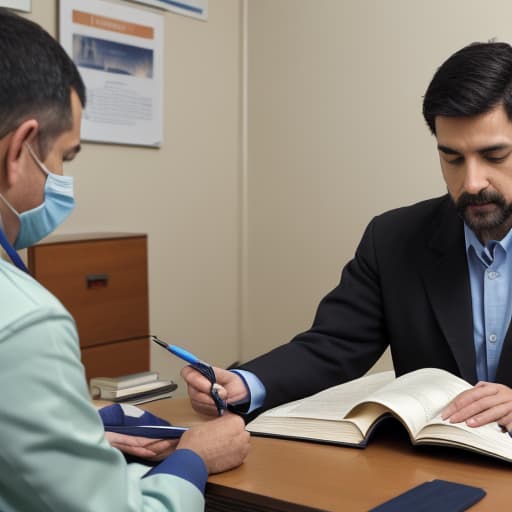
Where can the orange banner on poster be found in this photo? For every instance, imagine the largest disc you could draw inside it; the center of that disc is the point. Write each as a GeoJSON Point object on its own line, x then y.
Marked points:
{"type": "Point", "coordinates": [123, 27]}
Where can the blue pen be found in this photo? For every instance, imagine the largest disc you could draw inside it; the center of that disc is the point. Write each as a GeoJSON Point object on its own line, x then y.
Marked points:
{"type": "Point", "coordinates": [204, 368]}
{"type": "Point", "coordinates": [183, 354]}
{"type": "Point", "coordinates": [178, 351]}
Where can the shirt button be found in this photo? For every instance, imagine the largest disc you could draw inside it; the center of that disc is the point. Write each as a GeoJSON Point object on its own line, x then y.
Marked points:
{"type": "Point", "coordinates": [492, 275]}
{"type": "Point", "coordinates": [493, 338]}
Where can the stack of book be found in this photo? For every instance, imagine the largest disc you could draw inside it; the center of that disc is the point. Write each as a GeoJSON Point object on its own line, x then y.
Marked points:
{"type": "Point", "coordinates": [134, 389]}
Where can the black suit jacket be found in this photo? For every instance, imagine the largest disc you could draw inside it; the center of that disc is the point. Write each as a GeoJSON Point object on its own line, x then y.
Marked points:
{"type": "Point", "coordinates": [407, 287]}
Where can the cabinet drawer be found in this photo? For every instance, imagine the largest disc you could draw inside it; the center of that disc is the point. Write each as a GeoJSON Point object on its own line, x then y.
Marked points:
{"type": "Point", "coordinates": [115, 359]}
{"type": "Point", "coordinates": [103, 283]}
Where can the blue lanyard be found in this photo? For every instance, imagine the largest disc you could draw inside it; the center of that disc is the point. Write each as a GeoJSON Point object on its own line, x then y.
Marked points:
{"type": "Point", "coordinates": [11, 252]}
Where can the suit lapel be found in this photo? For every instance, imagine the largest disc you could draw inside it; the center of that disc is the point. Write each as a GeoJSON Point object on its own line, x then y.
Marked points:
{"type": "Point", "coordinates": [504, 373]}
{"type": "Point", "coordinates": [446, 280]}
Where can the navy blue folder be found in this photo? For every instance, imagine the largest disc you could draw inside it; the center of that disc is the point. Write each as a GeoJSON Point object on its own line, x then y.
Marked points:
{"type": "Point", "coordinates": [133, 421]}
{"type": "Point", "coordinates": [152, 431]}
{"type": "Point", "coordinates": [434, 496]}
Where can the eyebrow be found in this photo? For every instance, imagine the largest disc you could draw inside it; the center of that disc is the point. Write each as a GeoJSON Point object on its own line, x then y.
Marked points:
{"type": "Point", "coordinates": [488, 149]}
{"type": "Point", "coordinates": [72, 152]}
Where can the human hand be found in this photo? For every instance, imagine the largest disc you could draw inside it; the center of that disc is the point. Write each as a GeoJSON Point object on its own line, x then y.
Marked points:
{"type": "Point", "coordinates": [142, 447]}
{"type": "Point", "coordinates": [231, 388]}
{"type": "Point", "coordinates": [486, 402]}
{"type": "Point", "coordinates": [222, 443]}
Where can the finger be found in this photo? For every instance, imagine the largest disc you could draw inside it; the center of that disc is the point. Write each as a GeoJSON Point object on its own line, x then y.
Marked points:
{"type": "Point", "coordinates": [478, 407]}
{"type": "Point", "coordinates": [221, 390]}
{"type": "Point", "coordinates": [162, 449]}
{"type": "Point", "coordinates": [206, 409]}
{"type": "Point", "coordinates": [466, 398]}
{"type": "Point", "coordinates": [162, 443]}
{"type": "Point", "coordinates": [195, 380]}
{"type": "Point", "coordinates": [163, 446]}
{"type": "Point", "coordinates": [137, 451]}
{"type": "Point", "coordinates": [126, 440]}
{"type": "Point", "coordinates": [497, 413]}
{"type": "Point", "coordinates": [506, 423]}
{"type": "Point", "coordinates": [186, 372]}
{"type": "Point", "coordinates": [199, 397]}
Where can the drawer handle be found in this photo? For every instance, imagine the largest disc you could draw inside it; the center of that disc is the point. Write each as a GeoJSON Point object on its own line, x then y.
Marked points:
{"type": "Point", "coordinates": [97, 280]}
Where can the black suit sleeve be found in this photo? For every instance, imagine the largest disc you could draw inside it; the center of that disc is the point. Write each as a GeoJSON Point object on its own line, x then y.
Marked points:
{"type": "Point", "coordinates": [347, 337]}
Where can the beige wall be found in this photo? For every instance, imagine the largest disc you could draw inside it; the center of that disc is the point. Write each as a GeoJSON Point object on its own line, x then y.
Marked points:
{"type": "Point", "coordinates": [184, 195]}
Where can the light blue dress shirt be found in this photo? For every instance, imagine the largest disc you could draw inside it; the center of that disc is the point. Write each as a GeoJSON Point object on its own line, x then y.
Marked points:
{"type": "Point", "coordinates": [255, 387]}
{"type": "Point", "coordinates": [490, 275]}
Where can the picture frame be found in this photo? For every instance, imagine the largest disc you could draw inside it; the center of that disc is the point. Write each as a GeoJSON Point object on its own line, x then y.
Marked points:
{"type": "Point", "coordinates": [194, 8]}
{"type": "Point", "coordinates": [18, 5]}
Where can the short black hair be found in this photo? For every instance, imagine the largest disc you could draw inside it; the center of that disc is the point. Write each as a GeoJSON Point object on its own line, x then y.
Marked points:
{"type": "Point", "coordinates": [472, 81]}
{"type": "Point", "coordinates": [36, 79]}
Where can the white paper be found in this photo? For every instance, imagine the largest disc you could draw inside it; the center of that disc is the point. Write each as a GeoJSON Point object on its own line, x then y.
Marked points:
{"type": "Point", "coordinates": [119, 52]}
{"type": "Point", "coordinates": [194, 8]}
{"type": "Point", "coordinates": [19, 5]}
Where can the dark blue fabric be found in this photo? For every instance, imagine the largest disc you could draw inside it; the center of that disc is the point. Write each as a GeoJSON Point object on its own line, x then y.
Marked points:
{"type": "Point", "coordinates": [115, 416]}
{"type": "Point", "coordinates": [11, 252]}
{"type": "Point", "coordinates": [434, 496]}
{"type": "Point", "coordinates": [185, 464]}
{"type": "Point", "coordinates": [149, 431]}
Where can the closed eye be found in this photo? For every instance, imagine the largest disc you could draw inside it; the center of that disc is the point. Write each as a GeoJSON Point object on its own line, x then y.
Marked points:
{"type": "Point", "coordinates": [496, 159]}
{"type": "Point", "coordinates": [455, 161]}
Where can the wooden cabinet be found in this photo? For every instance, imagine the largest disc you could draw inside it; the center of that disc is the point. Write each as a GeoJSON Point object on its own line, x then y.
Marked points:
{"type": "Point", "coordinates": [101, 278]}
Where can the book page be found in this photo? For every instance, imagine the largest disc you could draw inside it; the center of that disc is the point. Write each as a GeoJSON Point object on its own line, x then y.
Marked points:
{"type": "Point", "coordinates": [333, 403]}
{"type": "Point", "coordinates": [419, 396]}
{"type": "Point", "coordinates": [321, 416]}
{"type": "Point", "coordinates": [489, 438]}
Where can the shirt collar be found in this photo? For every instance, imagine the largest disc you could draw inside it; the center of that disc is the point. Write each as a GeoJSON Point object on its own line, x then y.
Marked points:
{"type": "Point", "coordinates": [472, 242]}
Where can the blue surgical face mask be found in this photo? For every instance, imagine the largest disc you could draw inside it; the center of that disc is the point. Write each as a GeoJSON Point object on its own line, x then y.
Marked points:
{"type": "Point", "coordinates": [57, 204]}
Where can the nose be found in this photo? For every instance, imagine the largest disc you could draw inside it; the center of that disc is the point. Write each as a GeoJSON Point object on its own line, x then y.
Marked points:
{"type": "Point", "coordinates": [476, 177]}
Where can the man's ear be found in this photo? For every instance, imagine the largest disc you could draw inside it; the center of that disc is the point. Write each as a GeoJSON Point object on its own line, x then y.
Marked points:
{"type": "Point", "coordinates": [15, 156]}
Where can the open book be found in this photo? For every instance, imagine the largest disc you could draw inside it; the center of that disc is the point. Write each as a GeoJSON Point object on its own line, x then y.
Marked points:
{"type": "Point", "coordinates": [347, 413]}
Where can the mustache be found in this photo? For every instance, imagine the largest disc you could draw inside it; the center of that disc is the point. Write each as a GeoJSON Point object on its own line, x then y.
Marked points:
{"type": "Point", "coordinates": [482, 197]}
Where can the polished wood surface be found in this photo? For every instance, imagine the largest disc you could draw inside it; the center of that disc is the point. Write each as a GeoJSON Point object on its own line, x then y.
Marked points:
{"type": "Point", "coordinates": [82, 237]}
{"type": "Point", "coordinates": [102, 280]}
{"type": "Point", "coordinates": [281, 475]}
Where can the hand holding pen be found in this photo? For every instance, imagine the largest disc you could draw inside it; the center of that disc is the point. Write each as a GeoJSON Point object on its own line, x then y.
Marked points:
{"type": "Point", "coordinates": [204, 368]}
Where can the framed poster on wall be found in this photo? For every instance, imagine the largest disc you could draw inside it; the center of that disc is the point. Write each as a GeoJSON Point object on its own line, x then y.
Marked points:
{"type": "Point", "coordinates": [194, 8]}
{"type": "Point", "coordinates": [119, 52]}
{"type": "Point", "coordinates": [19, 5]}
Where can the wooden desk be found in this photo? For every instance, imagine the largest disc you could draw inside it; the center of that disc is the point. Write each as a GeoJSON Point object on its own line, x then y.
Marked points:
{"type": "Point", "coordinates": [293, 476]}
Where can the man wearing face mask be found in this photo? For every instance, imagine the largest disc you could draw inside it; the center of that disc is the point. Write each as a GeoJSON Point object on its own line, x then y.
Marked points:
{"type": "Point", "coordinates": [54, 453]}
{"type": "Point", "coordinates": [38, 222]}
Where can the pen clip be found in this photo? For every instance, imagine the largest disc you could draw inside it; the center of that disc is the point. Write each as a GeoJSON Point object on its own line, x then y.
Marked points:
{"type": "Point", "coordinates": [157, 340]}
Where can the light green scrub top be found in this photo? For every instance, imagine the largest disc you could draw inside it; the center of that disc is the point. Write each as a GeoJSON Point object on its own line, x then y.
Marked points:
{"type": "Point", "coordinates": [53, 453]}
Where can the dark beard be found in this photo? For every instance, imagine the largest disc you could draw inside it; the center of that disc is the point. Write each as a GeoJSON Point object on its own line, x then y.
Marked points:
{"type": "Point", "coordinates": [486, 225]}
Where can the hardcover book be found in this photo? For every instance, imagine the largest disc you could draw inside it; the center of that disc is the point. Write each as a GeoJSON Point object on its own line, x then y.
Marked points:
{"type": "Point", "coordinates": [125, 381]}
{"type": "Point", "coordinates": [348, 413]}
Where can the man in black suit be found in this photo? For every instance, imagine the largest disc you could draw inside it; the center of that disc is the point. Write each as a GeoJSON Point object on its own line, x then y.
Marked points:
{"type": "Point", "coordinates": [433, 280]}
